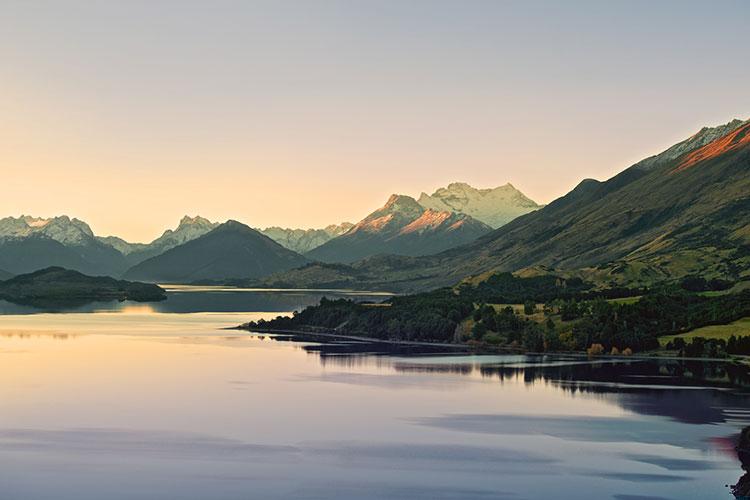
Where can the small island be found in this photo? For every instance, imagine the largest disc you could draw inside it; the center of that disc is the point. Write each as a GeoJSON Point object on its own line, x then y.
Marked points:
{"type": "Point", "coordinates": [60, 284]}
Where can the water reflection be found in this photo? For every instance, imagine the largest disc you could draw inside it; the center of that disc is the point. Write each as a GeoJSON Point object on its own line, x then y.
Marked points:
{"type": "Point", "coordinates": [183, 409]}
{"type": "Point", "coordinates": [191, 299]}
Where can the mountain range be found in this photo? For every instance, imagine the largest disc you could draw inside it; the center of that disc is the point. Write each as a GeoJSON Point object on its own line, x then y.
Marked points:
{"type": "Point", "coordinates": [683, 211]}
{"type": "Point", "coordinates": [188, 229]}
{"type": "Point", "coordinates": [304, 240]}
{"type": "Point", "coordinates": [30, 243]}
{"type": "Point", "coordinates": [403, 227]}
{"type": "Point", "coordinates": [231, 250]}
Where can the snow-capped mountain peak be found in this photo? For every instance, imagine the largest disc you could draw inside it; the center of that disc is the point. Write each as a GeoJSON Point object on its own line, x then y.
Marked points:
{"type": "Point", "coordinates": [188, 229]}
{"type": "Point", "coordinates": [62, 229]}
{"type": "Point", "coordinates": [493, 206]}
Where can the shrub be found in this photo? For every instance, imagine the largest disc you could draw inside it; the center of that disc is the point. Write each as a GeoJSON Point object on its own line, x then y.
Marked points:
{"type": "Point", "coordinates": [595, 350]}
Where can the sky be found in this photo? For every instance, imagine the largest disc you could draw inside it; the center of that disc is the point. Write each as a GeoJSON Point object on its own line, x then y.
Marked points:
{"type": "Point", "coordinates": [129, 115]}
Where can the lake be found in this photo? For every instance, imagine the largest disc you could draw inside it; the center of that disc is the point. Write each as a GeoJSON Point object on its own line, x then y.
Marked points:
{"type": "Point", "coordinates": [155, 401]}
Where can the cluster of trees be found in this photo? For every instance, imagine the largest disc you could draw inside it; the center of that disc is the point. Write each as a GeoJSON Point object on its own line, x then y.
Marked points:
{"type": "Point", "coordinates": [739, 345]}
{"type": "Point", "coordinates": [668, 312]}
{"type": "Point", "coordinates": [618, 327]}
{"type": "Point", "coordinates": [700, 284]}
{"type": "Point", "coordinates": [505, 288]}
{"type": "Point", "coordinates": [430, 317]}
{"type": "Point", "coordinates": [700, 347]}
{"type": "Point", "coordinates": [615, 327]}
{"type": "Point", "coordinates": [507, 327]}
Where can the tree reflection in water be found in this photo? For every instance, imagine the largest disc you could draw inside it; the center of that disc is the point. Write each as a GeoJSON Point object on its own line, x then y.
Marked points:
{"type": "Point", "coordinates": [741, 490]}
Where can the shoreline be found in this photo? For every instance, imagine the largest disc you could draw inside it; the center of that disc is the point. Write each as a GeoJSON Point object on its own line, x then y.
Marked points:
{"type": "Point", "coordinates": [374, 340]}
{"type": "Point", "coordinates": [481, 349]}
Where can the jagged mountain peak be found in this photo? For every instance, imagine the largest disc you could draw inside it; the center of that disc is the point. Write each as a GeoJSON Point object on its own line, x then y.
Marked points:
{"type": "Point", "coordinates": [304, 240]}
{"type": "Point", "coordinates": [493, 206]}
{"type": "Point", "coordinates": [401, 226]}
{"type": "Point", "coordinates": [398, 210]}
{"type": "Point", "coordinates": [61, 228]}
{"type": "Point", "coordinates": [195, 221]}
{"type": "Point", "coordinates": [466, 187]}
{"type": "Point", "coordinates": [188, 229]}
{"type": "Point", "coordinates": [400, 202]}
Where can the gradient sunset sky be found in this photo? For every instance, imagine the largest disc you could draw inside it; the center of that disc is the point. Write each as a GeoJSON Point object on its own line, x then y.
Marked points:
{"type": "Point", "coordinates": [129, 115]}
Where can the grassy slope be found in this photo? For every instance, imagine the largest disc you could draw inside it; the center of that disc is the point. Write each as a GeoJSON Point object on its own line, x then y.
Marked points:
{"type": "Point", "coordinates": [738, 328]}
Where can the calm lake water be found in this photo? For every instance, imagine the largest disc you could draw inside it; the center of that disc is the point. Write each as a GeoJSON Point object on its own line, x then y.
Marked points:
{"type": "Point", "coordinates": [150, 401]}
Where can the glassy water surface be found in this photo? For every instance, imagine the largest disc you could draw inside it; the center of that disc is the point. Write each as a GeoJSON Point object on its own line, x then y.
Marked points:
{"type": "Point", "coordinates": [141, 401]}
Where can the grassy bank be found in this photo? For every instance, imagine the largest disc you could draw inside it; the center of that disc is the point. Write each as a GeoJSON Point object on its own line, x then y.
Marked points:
{"type": "Point", "coordinates": [739, 328]}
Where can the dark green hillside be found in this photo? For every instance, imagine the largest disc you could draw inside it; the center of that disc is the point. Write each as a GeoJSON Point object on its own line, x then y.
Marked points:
{"type": "Point", "coordinates": [26, 255]}
{"type": "Point", "coordinates": [56, 283]}
{"type": "Point", "coordinates": [231, 251]}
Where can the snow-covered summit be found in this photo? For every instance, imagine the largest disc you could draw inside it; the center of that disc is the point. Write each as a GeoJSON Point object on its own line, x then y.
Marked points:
{"type": "Point", "coordinates": [63, 229]}
{"type": "Point", "coordinates": [495, 206]}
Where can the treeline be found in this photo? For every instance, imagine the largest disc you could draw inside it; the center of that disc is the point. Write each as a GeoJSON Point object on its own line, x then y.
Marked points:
{"type": "Point", "coordinates": [700, 347]}
{"type": "Point", "coordinates": [506, 327]}
{"type": "Point", "coordinates": [505, 288]}
{"type": "Point", "coordinates": [667, 312]}
{"type": "Point", "coordinates": [571, 321]}
{"type": "Point", "coordinates": [428, 317]}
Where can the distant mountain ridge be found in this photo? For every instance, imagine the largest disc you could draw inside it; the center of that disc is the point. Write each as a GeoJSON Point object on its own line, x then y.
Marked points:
{"type": "Point", "coordinates": [640, 226]}
{"type": "Point", "coordinates": [188, 229]}
{"type": "Point", "coordinates": [404, 227]}
{"type": "Point", "coordinates": [684, 211]}
{"type": "Point", "coordinates": [30, 243]}
{"type": "Point", "coordinates": [63, 229]}
{"type": "Point", "coordinates": [495, 207]}
{"type": "Point", "coordinates": [232, 250]}
{"type": "Point", "coordinates": [304, 240]}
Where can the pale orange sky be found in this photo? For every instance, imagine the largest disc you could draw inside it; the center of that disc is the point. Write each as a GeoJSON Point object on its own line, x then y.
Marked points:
{"type": "Point", "coordinates": [130, 115]}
